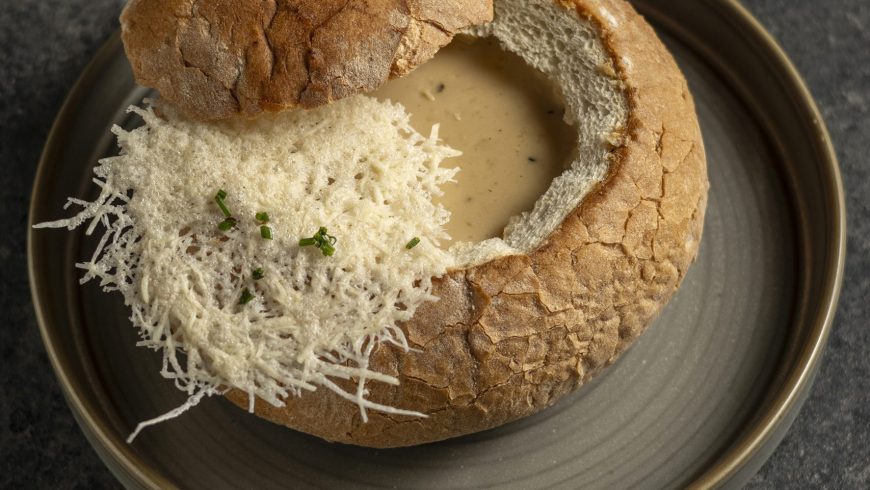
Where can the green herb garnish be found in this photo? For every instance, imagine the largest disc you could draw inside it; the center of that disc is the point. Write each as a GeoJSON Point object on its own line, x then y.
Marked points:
{"type": "Point", "coordinates": [230, 222]}
{"type": "Point", "coordinates": [321, 240]}
{"type": "Point", "coordinates": [219, 199]}
{"type": "Point", "coordinates": [247, 296]}
{"type": "Point", "coordinates": [263, 217]}
{"type": "Point", "coordinates": [227, 224]}
{"type": "Point", "coordinates": [413, 243]}
{"type": "Point", "coordinates": [258, 274]}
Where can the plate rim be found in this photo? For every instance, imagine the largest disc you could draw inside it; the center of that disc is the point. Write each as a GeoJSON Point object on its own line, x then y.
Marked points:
{"type": "Point", "coordinates": [791, 392]}
{"type": "Point", "coordinates": [95, 432]}
{"type": "Point", "coordinates": [796, 386]}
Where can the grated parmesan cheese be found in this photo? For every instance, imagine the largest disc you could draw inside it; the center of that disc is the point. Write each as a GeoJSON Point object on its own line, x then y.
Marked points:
{"type": "Point", "coordinates": [355, 166]}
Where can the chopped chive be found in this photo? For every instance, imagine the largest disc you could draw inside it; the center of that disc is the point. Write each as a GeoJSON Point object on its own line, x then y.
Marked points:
{"type": "Point", "coordinates": [258, 274]}
{"type": "Point", "coordinates": [224, 209]}
{"type": "Point", "coordinates": [413, 243]}
{"type": "Point", "coordinates": [262, 217]}
{"type": "Point", "coordinates": [247, 296]}
{"type": "Point", "coordinates": [322, 240]}
{"type": "Point", "coordinates": [266, 232]}
{"type": "Point", "coordinates": [219, 199]}
{"type": "Point", "coordinates": [227, 224]}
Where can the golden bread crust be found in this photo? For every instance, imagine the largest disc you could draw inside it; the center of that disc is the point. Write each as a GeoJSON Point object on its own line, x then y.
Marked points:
{"type": "Point", "coordinates": [511, 336]}
{"type": "Point", "coordinates": [221, 58]}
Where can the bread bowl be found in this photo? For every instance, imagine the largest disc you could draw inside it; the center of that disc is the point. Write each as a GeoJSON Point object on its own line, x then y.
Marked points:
{"type": "Point", "coordinates": [519, 322]}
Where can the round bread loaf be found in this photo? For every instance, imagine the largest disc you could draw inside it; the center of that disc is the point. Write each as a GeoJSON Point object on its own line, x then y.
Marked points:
{"type": "Point", "coordinates": [222, 58]}
{"type": "Point", "coordinates": [511, 335]}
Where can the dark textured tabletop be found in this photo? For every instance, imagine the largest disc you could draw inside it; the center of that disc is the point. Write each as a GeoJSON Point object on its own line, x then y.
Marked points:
{"type": "Point", "coordinates": [45, 44]}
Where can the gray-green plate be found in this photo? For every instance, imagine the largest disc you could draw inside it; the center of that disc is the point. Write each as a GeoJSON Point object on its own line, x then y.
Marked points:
{"type": "Point", "coordinates": [701, 399]}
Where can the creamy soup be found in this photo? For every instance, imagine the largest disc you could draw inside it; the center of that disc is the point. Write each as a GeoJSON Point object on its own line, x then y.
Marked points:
{"type": "Point", "coordinates": [505, 119]}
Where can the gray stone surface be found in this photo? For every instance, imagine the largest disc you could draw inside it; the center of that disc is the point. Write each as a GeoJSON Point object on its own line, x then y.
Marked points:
{"type": "Point", "coordinates": [829, 444]}
{"type": "Point", "coordinates": [45, 44]}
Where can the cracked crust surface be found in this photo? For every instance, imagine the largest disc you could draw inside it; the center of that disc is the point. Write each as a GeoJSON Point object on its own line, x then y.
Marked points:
{"type": "Point", "coordinates": [220, 58]}
{"type": "Point", "coordinates": [511, 336]}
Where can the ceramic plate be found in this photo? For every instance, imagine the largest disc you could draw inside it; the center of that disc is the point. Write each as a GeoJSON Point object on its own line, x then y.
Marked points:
{"type": "Point", "coordinates": [702, 398]}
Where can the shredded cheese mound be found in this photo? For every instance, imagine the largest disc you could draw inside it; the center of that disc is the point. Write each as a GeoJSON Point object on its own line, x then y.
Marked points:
{"type": "Point", "coordinates": [355, 166]}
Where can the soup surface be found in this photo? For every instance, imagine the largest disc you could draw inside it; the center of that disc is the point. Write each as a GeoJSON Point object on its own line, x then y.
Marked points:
{"type": "Point", "coordinates": [506, 120]}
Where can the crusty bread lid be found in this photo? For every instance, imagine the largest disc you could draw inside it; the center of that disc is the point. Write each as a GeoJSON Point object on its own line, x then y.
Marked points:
{"type": "Point", "coordinates": [221, 58]}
